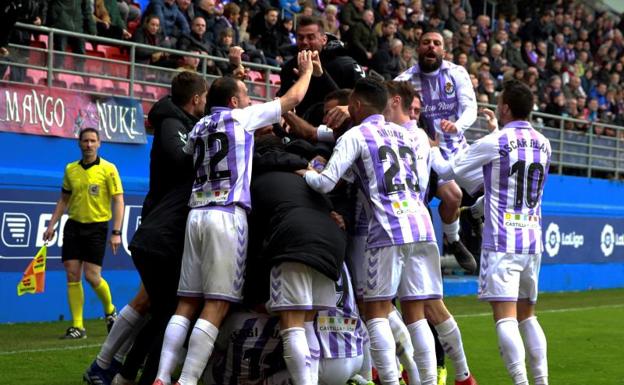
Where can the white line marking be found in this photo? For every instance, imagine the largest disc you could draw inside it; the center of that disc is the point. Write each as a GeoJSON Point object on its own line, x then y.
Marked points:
{"type": "Point", "coordinates": [13, 352]}
{"type": "Point", "coordinates": [546, 311]}
{"type": "Point", "coordinates": [58, 349]}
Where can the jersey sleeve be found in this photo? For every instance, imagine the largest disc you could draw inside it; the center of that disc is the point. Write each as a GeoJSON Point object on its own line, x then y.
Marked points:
{"type": "Point", "coordinates": [345, 153]}
{"type": "Point", "coordinates": [113, 181]}
{"type": "Point", "coordinates": [466, 97]}
{"type": "Point", "coordinates": [189, 146]}
{"type": "Point", "coordinates": [477, 155]}
{"type": "Point", "coordinates": [258, 115]}
{"type": "Point", "coordinates": [66, 188]}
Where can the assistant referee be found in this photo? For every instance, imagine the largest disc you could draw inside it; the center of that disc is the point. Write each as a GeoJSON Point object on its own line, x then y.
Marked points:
{"type": "Point", "coordinates": [89, 186]}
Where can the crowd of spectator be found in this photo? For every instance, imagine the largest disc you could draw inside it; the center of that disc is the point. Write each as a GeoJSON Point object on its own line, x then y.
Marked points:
{"type": "Point", "coordinates": [570, 55]}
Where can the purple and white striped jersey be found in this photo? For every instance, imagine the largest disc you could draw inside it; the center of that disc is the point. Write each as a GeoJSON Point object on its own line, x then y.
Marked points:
{"type": "Point", "coordinates": [222, 147]}
{"type": "Point", "coordinates": [247, 351]}
{"type": "Point", "coordinates": [446, 93]}
{"type": "Point", "coordinates": [515, 163]}
{"type": "Point", "coordinates": [341, 331]}
{"type": "Point", "coordinates": [392, 165]}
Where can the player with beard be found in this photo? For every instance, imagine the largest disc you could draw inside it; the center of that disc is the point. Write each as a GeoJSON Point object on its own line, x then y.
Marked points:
{"type": "Point", "coordinates": [449, 108]}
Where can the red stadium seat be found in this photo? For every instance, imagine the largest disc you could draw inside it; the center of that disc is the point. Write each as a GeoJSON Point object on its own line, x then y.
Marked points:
{"type": "Point", "coordinates": [37, 57]}
{"type": "Point", "coordinates": [121, 70]}
{"type": "Point", "coordinates": [275, 79]}
{"type": "Point", "coordinates": [255, 76]}
{"type": "Point", "coordinates": [94, 65]}
{"type": "Point", "coordinates": [71, 80]}
{"type": "Point", "coordinates": [102, 84]}
{"type": "Point", "coordinates": [109, 50]}
{"type": "Point", "coordinates": [36, 75]}
{"type": "Point", "coordinates": [55, 83]}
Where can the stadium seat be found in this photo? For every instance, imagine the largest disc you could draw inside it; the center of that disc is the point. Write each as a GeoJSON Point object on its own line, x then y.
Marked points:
{"type": "Point", "coordinates": [275, 79]}
{"type": "Point", "coordinates": [36, 75]}
{"type": "Point", "coordinates": [254, 76]}
{"type": "Point", "coordinates": [94, 65]}
{"type": "Point", "coordinates": [55, 83]}
{"type": "Point", "coordinates": [124, 87]}
{"type": "Point", "coordinates": [102, 84]}
{"type": "Point", "coordinates": [109, 50]}
{"type": "Point", "coordinates": [71, 80]}
{"type": "Point", "coordinates": [42, 39]}
{"type": "Point", "coordinates": [36, 56]}
{"type": "Point", "coordinates": [121, 70]}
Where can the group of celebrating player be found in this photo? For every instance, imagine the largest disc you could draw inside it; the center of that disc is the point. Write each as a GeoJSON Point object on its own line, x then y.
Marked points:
{"type": "Point", "coordinates": [304, 293]}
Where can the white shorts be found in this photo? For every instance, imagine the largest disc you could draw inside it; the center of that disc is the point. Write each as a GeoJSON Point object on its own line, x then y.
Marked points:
{"type": "Point", "coordinates": [295, 286]}
{"type": "Point", "coordinates": [337, 371]}
{"type": "Point", "coordinates": [508, 277]}
{"type": "Point", "coordinates": [215, 252]}
{"type": "Point", "coordinates": [355, 260]}
{"type": "Point", "coordinates": [472, 181]}
{"type": "Point", "coordinates": [410, 271]}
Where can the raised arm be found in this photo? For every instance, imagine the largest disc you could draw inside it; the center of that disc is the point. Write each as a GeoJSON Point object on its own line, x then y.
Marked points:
{"type": "Point", "coordinates": [297, 92]}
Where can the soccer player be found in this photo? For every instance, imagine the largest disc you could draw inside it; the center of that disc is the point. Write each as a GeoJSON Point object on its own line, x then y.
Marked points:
{"type": "Point", "coordinates": [89, 187]}
{"type": "Point", "coordinates": [215, 244]}
{"type": "Point", "coordinates": [445, 330]}
{"type": "Point", "coordinates": [449, 108]}
{"type": "Point", "coordinates": [515, 162]}
{"type": "Point", "coordinates": [401, 256]}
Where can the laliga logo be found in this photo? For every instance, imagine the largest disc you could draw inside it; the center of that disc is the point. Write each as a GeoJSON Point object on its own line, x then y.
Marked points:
{"type": "Point", "coordinates": [553, 239]}
{"type": "Point", "coordinates": [607, 243]}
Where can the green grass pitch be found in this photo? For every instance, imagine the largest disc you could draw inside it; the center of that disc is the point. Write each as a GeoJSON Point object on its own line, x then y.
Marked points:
{"type": "Point", "coordinates": [585, 333]}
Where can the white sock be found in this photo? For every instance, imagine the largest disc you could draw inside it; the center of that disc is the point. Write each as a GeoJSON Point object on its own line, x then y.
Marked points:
{"type": "Point", "coordinates": [535, 345]}
{"type": "Point", "coordinates": [315, 350]}
{"type": "Point", "coordinates": [122, 352]}
{"type": "Point", "coordinates": [200, 348]}
{"type": "Point", "coordinates": [404, 347]}
{"type": "Point", "coordinates": [383, 350]}
{"type": "Point", "coordinates": [512, 349]}
{"type": "Point", "coordinates": [451, 340]}
{"type": "Point", "coordinates": [175, 334]}
{"type": "Point", "coordinates": [477, 208]}
{"type": "Point", "coordinates": [296, 355]}
{"type": "Point", "coordinates": [424, 351]}
{"type": "Point", "coordinates": [451, 230]}
{"type": "Point", "coordinates": [366, 370]}
{"type": "Point", "coordinates": [122, 329]}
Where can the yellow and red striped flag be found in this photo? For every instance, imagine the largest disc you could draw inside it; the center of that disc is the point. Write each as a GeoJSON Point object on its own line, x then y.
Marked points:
{"type": "Point", "coordinates": [33, 281]}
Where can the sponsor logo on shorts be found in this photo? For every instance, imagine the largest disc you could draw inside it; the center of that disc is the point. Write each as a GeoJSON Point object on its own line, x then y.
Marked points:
{"type": "Point", "coordinates": [522, 221]}
{"type": "Point", "coordinates": [336, 324]}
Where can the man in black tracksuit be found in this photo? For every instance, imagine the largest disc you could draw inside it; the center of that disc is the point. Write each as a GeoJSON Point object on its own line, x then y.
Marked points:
{"type": "Point", "coordinates": [159, 241]}
{"type": "Point", "coordinates": [296, 251]}
{"type": "Point", "coordinates": [339, 69]}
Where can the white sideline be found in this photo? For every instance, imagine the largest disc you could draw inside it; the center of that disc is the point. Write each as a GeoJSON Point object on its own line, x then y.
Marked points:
{"type": "Point", "coordinates": [542, 311]}
{"type": "Point", "coordinates": [59, 349]}
{"type": "Point", "coordinates": [13, 352]}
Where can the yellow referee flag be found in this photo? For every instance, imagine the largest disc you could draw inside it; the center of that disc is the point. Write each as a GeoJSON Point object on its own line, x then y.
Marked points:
{"type": "Point", "coordinates": [33, 280]}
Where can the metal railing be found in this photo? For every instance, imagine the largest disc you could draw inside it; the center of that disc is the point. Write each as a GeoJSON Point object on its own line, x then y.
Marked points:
{"type": "Point", "coordinates": [576, 146]}
{"type": "Point", "coordinates": [129, 77]}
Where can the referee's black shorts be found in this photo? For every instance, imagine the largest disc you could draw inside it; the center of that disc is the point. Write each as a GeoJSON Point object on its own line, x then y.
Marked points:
{"type": "Point", "coordinates": [85, 241]}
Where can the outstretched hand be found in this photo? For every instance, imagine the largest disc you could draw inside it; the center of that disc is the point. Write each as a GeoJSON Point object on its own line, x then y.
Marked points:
{"type": "Point", "coordinates": [490, 119]}
{"type": "Point", "coordinates": [448, 126]}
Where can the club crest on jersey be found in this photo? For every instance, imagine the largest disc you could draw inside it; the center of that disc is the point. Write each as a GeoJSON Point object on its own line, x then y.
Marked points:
{"type": "Point", "coordinates": [449, 88]}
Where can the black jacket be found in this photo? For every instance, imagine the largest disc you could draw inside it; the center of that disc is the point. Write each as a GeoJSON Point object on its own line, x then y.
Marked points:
{"type": "Point", "coordinates": [340, 71]}
{"type": "Point", "coordinates": [289, 222]}
{"type": "Point", "coordinates": [165, 207]}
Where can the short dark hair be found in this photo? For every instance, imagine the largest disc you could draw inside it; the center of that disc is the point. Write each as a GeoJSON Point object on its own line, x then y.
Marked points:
{"type": "Point", "coordinates": [230, 9]}
{"type": "Point", "coordinates": [88, 129]}
{"type": "Point", "coordinates": [304, 21]}
{"type": "Point", "coordinates": [341, 95]}
{"type": "Point", "coordinates": [221, 91]}
{"type": "Point", "coordinates": [404, 89]}
{"type": "Point", "coordinates": [519, 98]}
{"type": "Point", "coordinates": [372, 92]}
{"type": "Point", "coordinates": [185, 85]}
{"type": "Point", "coordinates": [271, 9]}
